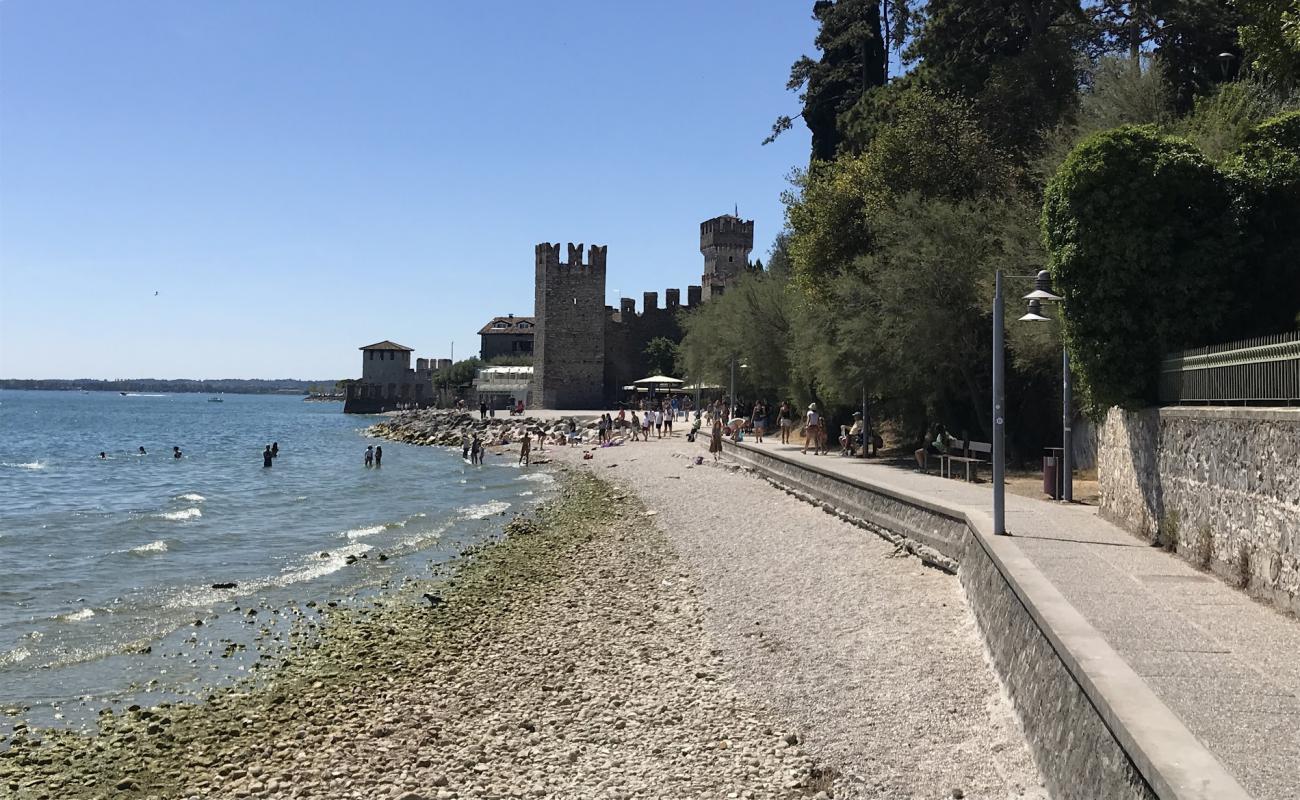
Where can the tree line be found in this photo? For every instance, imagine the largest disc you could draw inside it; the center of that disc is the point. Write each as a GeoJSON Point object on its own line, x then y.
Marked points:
{"type": "Point", "coordinates": [1147, 154]}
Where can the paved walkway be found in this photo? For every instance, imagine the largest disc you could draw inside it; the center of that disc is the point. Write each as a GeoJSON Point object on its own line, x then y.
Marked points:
{"type": "Point", "coordinates": [1227, 666]}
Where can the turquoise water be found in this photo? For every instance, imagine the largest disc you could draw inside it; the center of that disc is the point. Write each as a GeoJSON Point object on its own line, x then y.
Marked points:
{"type": "Point", "coordinates": [104, 558]}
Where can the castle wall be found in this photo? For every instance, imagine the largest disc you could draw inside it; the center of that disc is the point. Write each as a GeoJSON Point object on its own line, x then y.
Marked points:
{"type": "Point", "coordinates": [569, 343]}
{"type": "Point", "coordinates": [627, 334]}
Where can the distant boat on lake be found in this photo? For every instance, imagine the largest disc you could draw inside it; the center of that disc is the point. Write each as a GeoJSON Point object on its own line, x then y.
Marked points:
{"type": "Point", "coordinates": [215, 400]}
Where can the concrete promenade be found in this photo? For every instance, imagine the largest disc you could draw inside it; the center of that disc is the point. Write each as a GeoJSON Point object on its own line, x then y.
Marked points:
{"type": "Point", "coordinates": [1226, 666]}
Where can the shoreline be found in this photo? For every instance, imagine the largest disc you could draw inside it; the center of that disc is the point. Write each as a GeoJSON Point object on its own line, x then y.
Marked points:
{"type": "Point", "coordinates": [537, 654]}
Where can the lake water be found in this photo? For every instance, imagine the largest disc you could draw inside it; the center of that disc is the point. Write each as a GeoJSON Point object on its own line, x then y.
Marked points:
{"type": "Point", "coordinates": [105, 558]}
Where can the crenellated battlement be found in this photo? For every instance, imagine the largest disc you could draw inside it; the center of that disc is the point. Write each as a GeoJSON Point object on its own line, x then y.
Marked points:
{"type": "Point", "coordinates": [548, 256]}
{"type": "Point", "coordinates": [650, 304]}
{"type": "Point", "coordinates": [727, 224]}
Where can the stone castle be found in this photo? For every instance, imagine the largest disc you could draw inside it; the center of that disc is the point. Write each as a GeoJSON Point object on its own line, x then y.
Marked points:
{"type": "Point", "coordinates": [584, 351]}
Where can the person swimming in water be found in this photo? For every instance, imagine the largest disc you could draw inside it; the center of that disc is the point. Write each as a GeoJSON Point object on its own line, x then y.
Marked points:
{"type": "Point", "coordinates": [267, 455]}
{"type": "Point", "coordinates": [176, 452]}
{"type": "Point", "coordinates": [142, 450]}
{"type": "Point", "coordinates": [103, 455]}
{"type": "Point", "coordinates": [275, 449]}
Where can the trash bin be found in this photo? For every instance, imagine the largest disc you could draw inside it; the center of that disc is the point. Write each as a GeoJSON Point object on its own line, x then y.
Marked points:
{"type": "Point", "coordinates": [1050, 487]}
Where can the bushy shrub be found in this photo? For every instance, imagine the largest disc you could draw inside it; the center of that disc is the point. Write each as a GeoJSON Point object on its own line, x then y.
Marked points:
{"type": "Point", "coordinates": [1142, 245]}
{"type": "Point", "coordinates": [1265, 178]}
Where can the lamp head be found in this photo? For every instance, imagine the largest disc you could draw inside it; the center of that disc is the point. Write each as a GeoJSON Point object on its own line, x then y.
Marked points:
{"type": "Point", "coordinates": [1043, 288]}
{"type": "Point", "coordinates": [1035, 312]}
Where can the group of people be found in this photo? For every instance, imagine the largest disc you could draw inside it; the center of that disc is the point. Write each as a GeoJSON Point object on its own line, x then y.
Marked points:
{"type": "Point", "coordinates": [176, 453]}
{"type": "Point", "coordinates": [270, 454]}
{"type": "Point", "coordinates": [374, 456]}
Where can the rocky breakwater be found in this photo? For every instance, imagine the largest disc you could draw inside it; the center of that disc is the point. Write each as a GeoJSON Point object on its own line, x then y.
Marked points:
{"type": "Point", "coordinates": [566, 660]}
{"type": "Point", "coordinates": [445, 428]}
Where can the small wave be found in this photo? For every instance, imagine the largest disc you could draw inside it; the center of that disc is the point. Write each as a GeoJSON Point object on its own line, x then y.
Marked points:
{"type": "Point", "coordinates": [360, 533]}
{"type": "Point", "coordinates": [192, 497]}
{"type": "Point", "coordinates": [14, 656]}
{"type": "Point", "coordinates": [77, 616]}
{"type": "Point", "coordinates": [526, 494]}
{"type": "Point", "coordinates": [159, 546]}
{"type": "Point", "coordinates": [312, 568]}
{"type": "Point", "coordinates": [484, 510]}
{"type": "Point", "coordinates": [182, 515]}
{"type": "Point", "coordinates": [26, 465]}
{"type": "Point", "coordinates": [540, 477]}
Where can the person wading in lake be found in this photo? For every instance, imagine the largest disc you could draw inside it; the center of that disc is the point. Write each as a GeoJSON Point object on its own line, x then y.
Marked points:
{"type": "Point", "coordinates": [464, 446]}
{"type": "Point", "coordinates": [370, 456]}
{"type": "Point", "coordinates": [525, 448]}
{"type": "Point", "coordinates": [176, 452]}
{"type": "Point", "coordinates": [379, 456]}
{"type": "Point", "coordinates": [142, 450]}
{"type": "Point", "coordinates": [476, 451]}
{"type": "Point", "coordinates": [267, 455]}
{"type": "Point", "coordinates": [275, 449]}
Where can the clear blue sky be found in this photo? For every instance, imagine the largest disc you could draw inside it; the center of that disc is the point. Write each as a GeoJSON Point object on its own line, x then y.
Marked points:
{"type": "Point", "coordinates": [298, 179]}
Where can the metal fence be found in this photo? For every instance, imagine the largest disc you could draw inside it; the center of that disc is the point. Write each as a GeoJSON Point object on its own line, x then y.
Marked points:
{"type": "Point", "coordinates": [1262, 371]}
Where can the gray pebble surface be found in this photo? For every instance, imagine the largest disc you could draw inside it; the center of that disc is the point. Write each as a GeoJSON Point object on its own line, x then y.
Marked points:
{"type": "Point", "coordinates": [874, 660]}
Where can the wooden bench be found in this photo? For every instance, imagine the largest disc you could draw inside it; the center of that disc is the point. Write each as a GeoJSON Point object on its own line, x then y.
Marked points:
{"type": "Point", "coordinates": [969, 455]}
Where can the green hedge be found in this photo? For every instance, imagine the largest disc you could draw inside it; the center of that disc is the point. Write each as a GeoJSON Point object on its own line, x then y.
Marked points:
{"type": "Point", "coordinates": [1265, 179]}
{"type": "Point", "coordinates": [1141, 243]}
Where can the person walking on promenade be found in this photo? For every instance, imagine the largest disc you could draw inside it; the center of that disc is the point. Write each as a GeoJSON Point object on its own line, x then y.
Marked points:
{"type": "Point", "coordinates": [812, 429]}
{"type": "Point", "coordinates": [266, 457]}
{"type": "Point", "coordinates": [370, 455]}
{"type": "Point", "coordinates": [379, 456]}
{"type": "Point", "coordinates": [786, 418]}
{"type": "Point", "coordinates": [482, 410]}
{"type": "Point", "coordinates": [525, 448]}
{"type": "Point", "coordinates": [759, 420]}
{"type": "Point", "coordinates": [715, 438]}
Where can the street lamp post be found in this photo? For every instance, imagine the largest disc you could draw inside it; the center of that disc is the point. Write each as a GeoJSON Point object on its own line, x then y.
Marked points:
{"type": "Point", "coordinates": [1042, 291]}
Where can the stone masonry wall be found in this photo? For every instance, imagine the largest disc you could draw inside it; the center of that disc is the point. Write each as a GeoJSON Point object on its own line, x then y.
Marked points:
{"type": "Point", "coordinates": [1226, 481]}
{"type": "Point", "coordinates": [569, 343]}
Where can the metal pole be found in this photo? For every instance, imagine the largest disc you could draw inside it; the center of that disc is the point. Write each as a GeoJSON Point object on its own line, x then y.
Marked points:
{"type": "Point", "coordinates": [1067, 433]}
{"type": "Point", "coordinates": [999, 420]}
{"type": "Point", "coordinates": [732, 399]}
{"type": "Point", "coordinates": [864, 412]}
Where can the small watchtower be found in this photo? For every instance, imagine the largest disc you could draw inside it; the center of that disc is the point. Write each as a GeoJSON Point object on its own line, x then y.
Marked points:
{"type": "Point", "coordinates": [569, 342]}
{"type": "Point", "coordinates": [726, 243]}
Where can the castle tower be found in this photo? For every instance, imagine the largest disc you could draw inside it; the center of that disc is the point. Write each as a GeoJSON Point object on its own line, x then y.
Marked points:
{"type": "Point", "coordinates": [726, 242]}
{"type": "Point", "coordinates": [569, 343]}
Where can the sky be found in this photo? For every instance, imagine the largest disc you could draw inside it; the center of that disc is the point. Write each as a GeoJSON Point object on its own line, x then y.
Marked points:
{"type": "Point", "coordinates": [244, 189]}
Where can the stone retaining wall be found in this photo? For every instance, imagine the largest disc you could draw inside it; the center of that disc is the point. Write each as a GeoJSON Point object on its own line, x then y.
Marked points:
{"type": "Point", "coordinates": [1225, 482]}
{"type": "Point", "coordinates": [1095, 728]}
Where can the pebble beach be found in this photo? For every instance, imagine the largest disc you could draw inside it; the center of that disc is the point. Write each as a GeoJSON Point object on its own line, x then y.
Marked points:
{"type": "Point", "coordinates": [660, 629]}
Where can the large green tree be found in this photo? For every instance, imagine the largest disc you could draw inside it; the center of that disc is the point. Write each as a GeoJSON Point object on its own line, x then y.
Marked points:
{"type": "Point", "coordinates": [1188, 37]}
{"type": "Point", "coordinates": [852, 62]}
{"type": "Point", "coordinates": [1270, 39]}
{"type": "Point", "coordinates": [1014, 58]}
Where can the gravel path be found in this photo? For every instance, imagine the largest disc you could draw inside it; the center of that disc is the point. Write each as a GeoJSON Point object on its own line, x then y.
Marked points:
{"type": "Point", "coordinates": [874, 659]}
